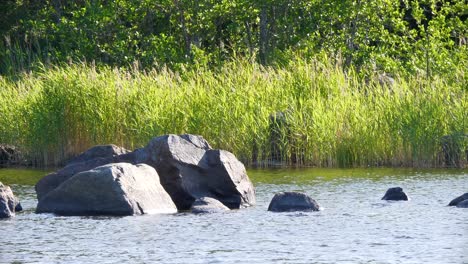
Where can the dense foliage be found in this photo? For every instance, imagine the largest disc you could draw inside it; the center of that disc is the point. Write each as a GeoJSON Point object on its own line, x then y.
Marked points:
{"type": "Point", "coordinates": [413, 36]}
{"type": "Point", "coordinates": [84, 72]}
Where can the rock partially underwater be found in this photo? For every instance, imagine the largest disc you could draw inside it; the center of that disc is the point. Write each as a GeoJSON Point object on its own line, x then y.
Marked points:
{"type": "Point", "coordinates": [9, 204]}
{"type": "Point", "coordinates": [186, 165]}
{"type": "Point", "coordinates": [190, 169]}
{"type": "Point", "coordinates": [113, 189]}
{"type": "Point", "coordinates": [206, 205]}
{"type": "Point", "coordinates": [461, 201]}
{"type": "Point", "coordinates": [395, 194]}
{"type": "Point", "coordinates": [292, 201]}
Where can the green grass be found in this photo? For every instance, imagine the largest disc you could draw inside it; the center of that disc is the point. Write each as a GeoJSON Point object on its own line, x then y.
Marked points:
{"type": "Point", "coordinates": [335, 118]}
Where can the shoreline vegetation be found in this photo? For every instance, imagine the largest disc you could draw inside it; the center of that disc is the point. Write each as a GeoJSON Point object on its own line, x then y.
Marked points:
{"type": "Point", "coordinates": [305, 113]}
{"type": "Point", "coordinates": [340, 83]}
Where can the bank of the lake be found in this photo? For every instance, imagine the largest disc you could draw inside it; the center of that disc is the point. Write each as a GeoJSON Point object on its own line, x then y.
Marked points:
{"type": "Point", "coordinates": [354, 226]}
{"type": "Point", "coordinates": [307, 113]}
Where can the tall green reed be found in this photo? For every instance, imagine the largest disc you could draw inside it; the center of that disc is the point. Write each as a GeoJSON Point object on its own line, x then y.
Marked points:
{"type": "Point", "coordinates": [332, 117]}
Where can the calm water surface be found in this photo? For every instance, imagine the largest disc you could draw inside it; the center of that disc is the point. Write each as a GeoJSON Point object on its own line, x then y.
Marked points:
{"type": "Point", "coordinates": [354, 227]}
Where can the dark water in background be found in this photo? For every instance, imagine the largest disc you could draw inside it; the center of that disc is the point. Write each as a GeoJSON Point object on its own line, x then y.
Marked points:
{"type": "Point", "coordinates": [354, 227]}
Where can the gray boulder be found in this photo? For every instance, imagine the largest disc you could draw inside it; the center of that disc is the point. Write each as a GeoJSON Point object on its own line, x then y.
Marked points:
{"type": "Point", "coordinates": [9, 204]}
{"type": "Point", "coordinates": [463, 204]}
{"type": "Point", "coordinates": [113, 189]}
{"type": "Point", "coordinates": [459, 199]}
{"type": "Point", "coordinates": [395, 194]}
{"type": "Point", "coordinates": [51, 181]}
{"type": "Point", "coordinates": [90, 159]}
{"type": "Point", "coordinates": [205, 205]}
{"type": "Point", "coordinates": [189, 169]}
{"type": "Point", "coordinates": [100, 151]}
{"type": "Point", "coordinates": [292, 201]}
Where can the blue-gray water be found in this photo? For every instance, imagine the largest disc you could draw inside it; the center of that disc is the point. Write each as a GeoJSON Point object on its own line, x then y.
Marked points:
{"type": "Point", "coordinates": [354, 227]}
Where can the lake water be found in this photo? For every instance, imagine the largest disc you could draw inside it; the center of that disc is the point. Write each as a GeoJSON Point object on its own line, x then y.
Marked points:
{"type": "Point", "coordinates": [354, 227]}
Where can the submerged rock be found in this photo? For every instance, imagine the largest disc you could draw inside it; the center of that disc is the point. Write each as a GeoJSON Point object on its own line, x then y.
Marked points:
{"type": "Point", "coordinates": [189, 169]}
{"type": "Point", "coordinates": [463, 204]}
{"type": "Point", "coordinates": [292, 201]}
{"type": "Point", "coordinates": [459, 199]}
{"type": "Point", "coordinates": [205, 205]}
{"type": "Point", "coordinates": [395, 194]}
{"type": "Point", "coordinates": [9, 204]}
{"type": "Point", "coordinates": [113, 189]}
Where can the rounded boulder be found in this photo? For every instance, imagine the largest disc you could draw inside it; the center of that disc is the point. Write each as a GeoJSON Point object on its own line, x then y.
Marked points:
{"type": "Point", "coordinates": [395, 194]}
{"type": "Point", "coordinates": [112, 189]}
{"type": "Point", "coordinates": [206, 205]}
{"type": "Point", "coordinates": [292, 201]}
{"type": "Point", "coordinates": [459, 199]}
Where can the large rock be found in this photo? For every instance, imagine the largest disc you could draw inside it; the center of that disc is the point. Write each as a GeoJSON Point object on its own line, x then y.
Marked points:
{"type": "Point", "coordinates": [206, 205]}
{"type": "Point", "coordinates": [90, 159]}
{"type": "Point", "coordinates": [113, 189]}
{"type": "Point", "coordinates": [9, 204]}
{"type": "Point", "coordinates": [459, 199]}
{"type": "Point", "coordinates": [51, 181]}
{"type": "Point", "coordinates": [395, 194]}
{"type": "Point", "coordinates": [292, 201]}
{"type": "Point", "coordinates": [189, 169]}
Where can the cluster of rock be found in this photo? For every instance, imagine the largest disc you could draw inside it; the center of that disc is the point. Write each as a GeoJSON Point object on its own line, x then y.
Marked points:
{"type": "Point", "coordinates": [9, 204]}
{"type": "Point", "coordinates": [297, 201]}
{"type": "Point", "coordinates": [171, 173]}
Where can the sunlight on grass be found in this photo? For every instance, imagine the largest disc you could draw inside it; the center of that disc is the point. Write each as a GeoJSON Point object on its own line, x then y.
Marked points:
{"type": "Point", "coordinates": [332, 117]}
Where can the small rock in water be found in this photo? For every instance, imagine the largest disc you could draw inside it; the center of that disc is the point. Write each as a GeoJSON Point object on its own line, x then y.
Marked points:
{"type": "Point", "coordinates": [395, 194]}
{"type": "Point", "coordinates": [292, 201]}
{"type": "Point", "coordinates": [463, 204]}
{"type": "Point", "coordinates": [459, 199]}
{"type": "Point", "coordinates": [208, 205]}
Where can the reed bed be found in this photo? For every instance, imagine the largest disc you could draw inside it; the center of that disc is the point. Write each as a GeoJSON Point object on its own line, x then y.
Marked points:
{"type": "Point", "coordinates": [330, 117]}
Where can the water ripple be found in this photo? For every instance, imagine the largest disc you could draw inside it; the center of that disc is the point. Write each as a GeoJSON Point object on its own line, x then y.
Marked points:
{"type": "Point", "coordinates": [355, 227]}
